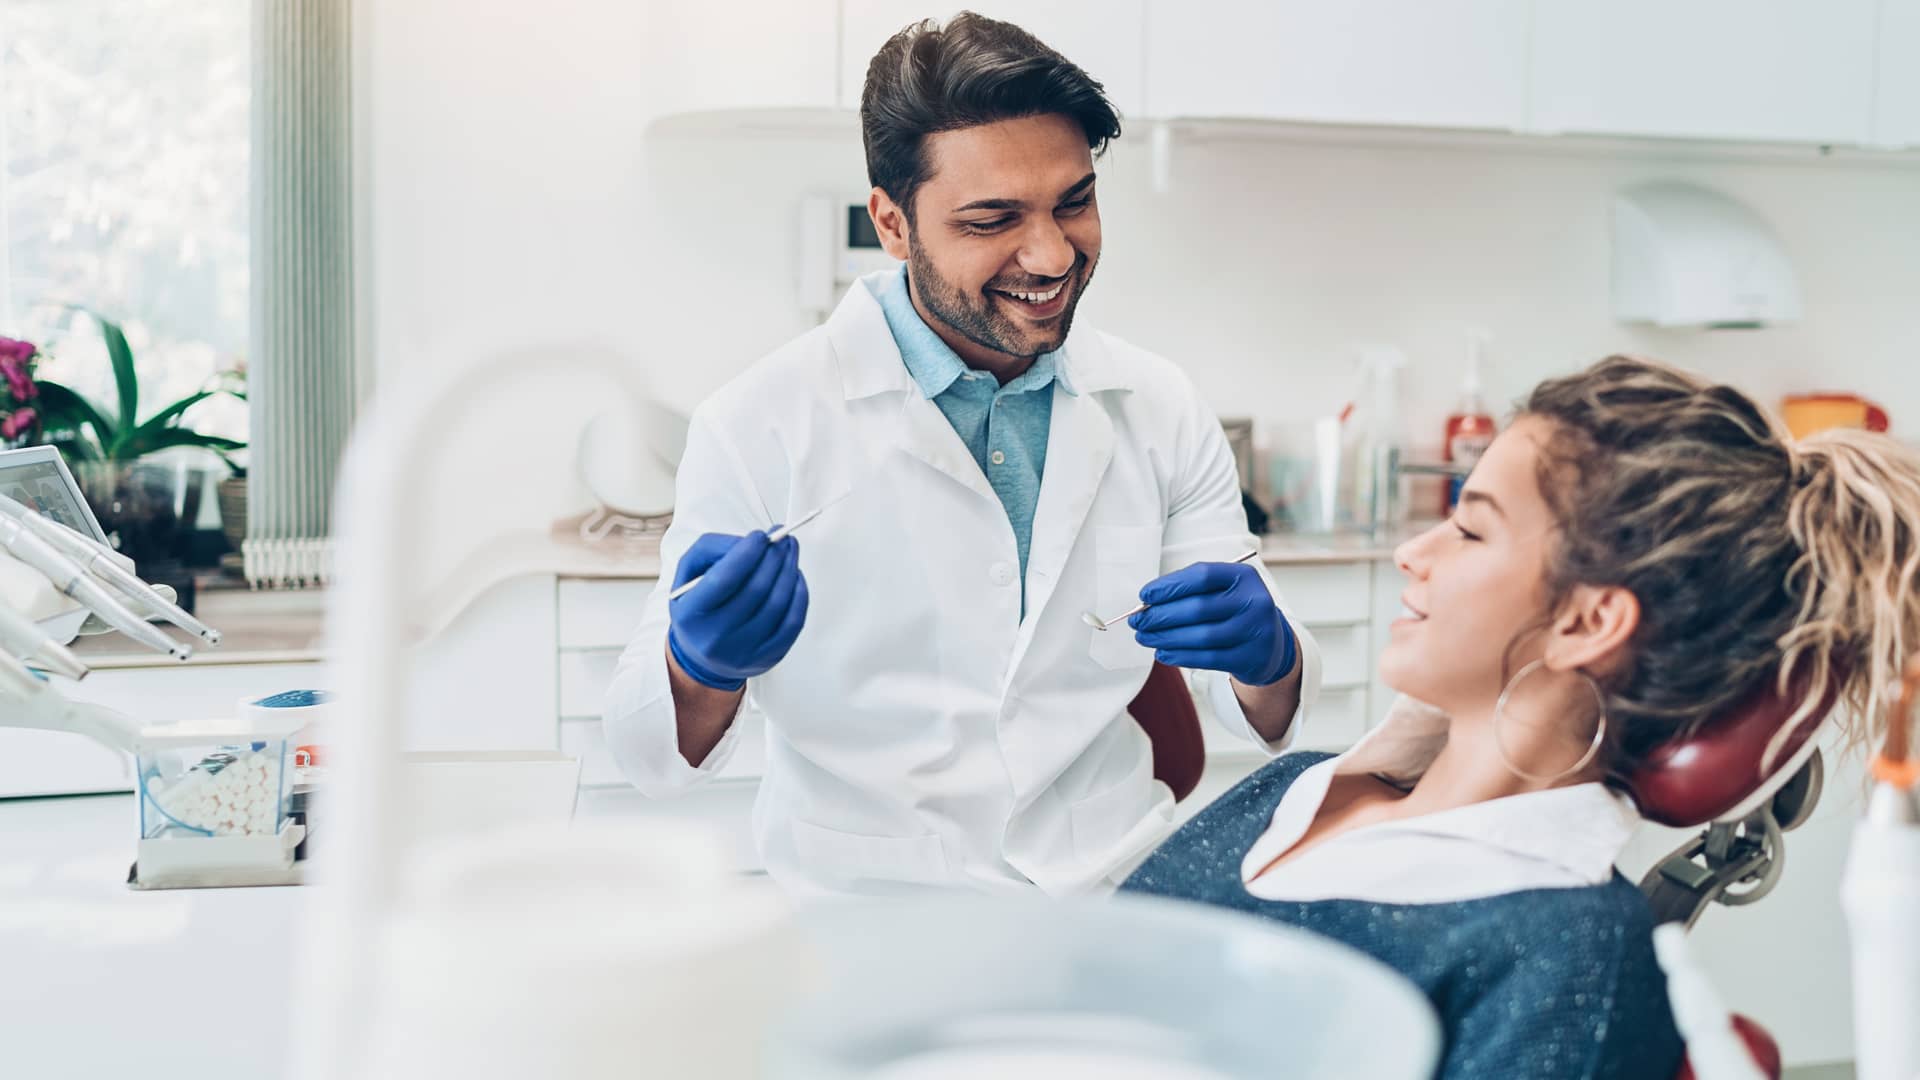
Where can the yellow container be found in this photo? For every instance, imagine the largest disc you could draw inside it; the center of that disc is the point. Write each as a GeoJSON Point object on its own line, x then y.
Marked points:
{"type": "Point", "coordinates": [1808, 413]}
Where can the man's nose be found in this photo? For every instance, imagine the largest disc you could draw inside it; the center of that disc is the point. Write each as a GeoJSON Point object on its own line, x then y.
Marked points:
{"type": "Point", "coordinates": [1046, 252]}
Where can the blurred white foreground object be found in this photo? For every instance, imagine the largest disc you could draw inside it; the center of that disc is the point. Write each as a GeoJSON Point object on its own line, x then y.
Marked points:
{"type": "Point", "coordinates": [1880, 893]}
{"type": "Point", "coordinates": [1714, 1049]}
{"type": "Point", "coordinates": [528, 950]}
{"type": "Point", "coordinates": [597, 952]}
{"type": "Point", "coordinates": [1117, 989]}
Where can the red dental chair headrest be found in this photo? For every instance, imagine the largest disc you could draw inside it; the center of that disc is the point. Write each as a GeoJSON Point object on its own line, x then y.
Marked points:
{"type": "Point", "coordinates": [1716, 774]}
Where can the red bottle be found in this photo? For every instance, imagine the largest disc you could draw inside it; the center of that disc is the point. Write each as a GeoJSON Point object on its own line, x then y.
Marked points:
{"type": "Point", "coordinates": [1470, 428]}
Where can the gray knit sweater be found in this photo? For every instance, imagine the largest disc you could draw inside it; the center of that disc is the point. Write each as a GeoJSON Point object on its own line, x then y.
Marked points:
{"type": "Point", "coordinates": [1550, 983]}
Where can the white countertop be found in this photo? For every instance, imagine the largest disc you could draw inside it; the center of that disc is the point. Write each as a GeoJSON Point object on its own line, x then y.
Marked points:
{"type": "Point", "coordinates": [101, 980]}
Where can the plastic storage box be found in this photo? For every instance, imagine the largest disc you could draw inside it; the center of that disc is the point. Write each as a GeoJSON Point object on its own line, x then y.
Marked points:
{"type": "Point", "coordinates": [214, 801]}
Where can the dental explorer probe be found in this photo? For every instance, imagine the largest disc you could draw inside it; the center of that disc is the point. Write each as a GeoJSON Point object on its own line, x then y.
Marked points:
{"type": "Point", "coordinates": [94, 559]}
{"type": "Point", "coordinates": [20, 637]}
{"type": "Point", "coordinates": [773, 537]}
{"type": "Point", "coordinates": [71, 581]}
{"type": "Point", "coordinates": [1094, 621]}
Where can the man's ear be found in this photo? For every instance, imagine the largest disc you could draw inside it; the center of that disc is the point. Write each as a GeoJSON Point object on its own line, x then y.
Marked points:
{"type": "Point", "coordinates": [1593, 629]}
{"type": "Point", "coordinates": [890, 221]}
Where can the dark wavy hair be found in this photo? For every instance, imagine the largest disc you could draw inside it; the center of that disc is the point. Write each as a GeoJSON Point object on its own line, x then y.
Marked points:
{"type": "Point", "coordinates": [927, 79]}
{"type": "Point", "coordinates": [1755, 558]}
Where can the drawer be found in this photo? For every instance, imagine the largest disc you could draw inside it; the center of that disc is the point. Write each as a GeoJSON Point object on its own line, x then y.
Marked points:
{"type": "Point", "coordinates": [1336, 721]}
{"type": "Point", "coordinates": [584, 677]}
{"type": "Point", "coordinates": [587, 740]}
{"type": "Point", "coordinates": [597, 614]}
{"type": "Point", "coordinates": [1326, 592]}
{"type": "Point", "coordinates": [1346, 654]}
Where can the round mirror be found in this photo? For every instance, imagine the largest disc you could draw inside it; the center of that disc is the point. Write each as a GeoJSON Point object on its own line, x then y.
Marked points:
{"type": "Point", "coordinates": [628, 461]}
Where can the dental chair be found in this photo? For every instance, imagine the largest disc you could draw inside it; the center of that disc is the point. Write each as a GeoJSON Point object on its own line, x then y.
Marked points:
{"type": "Point", "coordinates": [1712, 781]}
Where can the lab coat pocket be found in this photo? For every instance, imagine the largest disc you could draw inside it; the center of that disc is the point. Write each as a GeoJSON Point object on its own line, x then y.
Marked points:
{"type": "Point", "coordinates": [847, 859]}
{"type": "Point", "coordinates": [1125, 558]}
{"type": "Point", "coordinates": [1105, 823]}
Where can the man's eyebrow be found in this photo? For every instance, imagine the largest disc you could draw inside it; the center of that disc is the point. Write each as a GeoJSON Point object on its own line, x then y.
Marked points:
{"type": "Point", "coordinates": [991, 204]}
{"type": "Point", "coordinates": [1079, 186]}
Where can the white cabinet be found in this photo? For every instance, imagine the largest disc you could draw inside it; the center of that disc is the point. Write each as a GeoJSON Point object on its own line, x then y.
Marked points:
{"type": "Point", "coordinates": [710, 57]}
{"type": "Point", "coordinates": [1443, 63]}
{"type": "Point", "coordinates": [1789, 70]}
{"type": "Point", "coordinates": [1896, 99]}
{"type": "Point", "coordinates": [1104, 37]}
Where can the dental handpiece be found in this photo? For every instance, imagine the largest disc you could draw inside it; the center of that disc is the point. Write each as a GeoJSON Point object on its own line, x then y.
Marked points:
{"type": "Point", "coordinates": [95, 560]}
{"type": "Point", "coordinates": [20, 637]}
{"type": "Point", "coordinates": [70, 580]}
{"type": "Point", "coordinates": [16, 674]}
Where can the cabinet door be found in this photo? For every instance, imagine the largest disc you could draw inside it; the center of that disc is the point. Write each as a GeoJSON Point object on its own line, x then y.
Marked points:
{"type": "Point", "coordinates": [1104, 37]}
{"type": "Point", "coordinates": [1442, 63]}
{"type": "Point", "coordinates": [1802, 71]}
{"type": "Point", "coordinates": [1897, 97]}
{"type": "Point", "coordinates": [730, 56]}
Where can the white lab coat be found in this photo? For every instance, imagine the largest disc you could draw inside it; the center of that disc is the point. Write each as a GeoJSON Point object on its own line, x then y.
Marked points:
{"type": "Point", "coordinates": [920, 732]}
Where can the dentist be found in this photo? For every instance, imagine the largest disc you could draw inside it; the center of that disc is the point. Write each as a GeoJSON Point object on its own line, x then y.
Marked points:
{"type": "Point", "coordinates": [937, 714]}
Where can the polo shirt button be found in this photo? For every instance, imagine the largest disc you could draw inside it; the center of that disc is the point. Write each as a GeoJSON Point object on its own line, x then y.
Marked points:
{"type": "Point", "coordinates": [998, 458]}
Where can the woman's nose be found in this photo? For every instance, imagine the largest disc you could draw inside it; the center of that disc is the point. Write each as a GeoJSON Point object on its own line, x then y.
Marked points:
{"type": "Point", "coordinates": [1411, 555]}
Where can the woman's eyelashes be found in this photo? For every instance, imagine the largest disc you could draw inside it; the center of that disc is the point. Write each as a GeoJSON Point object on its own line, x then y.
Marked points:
{"type": "Point", "coordinates": [1465, 534]}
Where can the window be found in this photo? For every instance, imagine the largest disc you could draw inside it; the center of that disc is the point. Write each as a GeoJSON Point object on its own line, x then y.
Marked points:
{"type": "Point", "coordinates": [124, 188]}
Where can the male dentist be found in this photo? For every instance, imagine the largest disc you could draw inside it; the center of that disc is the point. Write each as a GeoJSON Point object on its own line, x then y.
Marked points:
{"type": "Point", "coordinates": [937, 712]}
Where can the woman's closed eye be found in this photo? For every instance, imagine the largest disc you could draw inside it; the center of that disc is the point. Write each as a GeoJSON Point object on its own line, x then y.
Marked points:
{"type": "Point", "coordinates": [1465, 534]}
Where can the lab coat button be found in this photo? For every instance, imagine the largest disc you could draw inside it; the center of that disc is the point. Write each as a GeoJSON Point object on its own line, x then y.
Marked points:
{"type": "Point", "coordinates": [1000, 574]}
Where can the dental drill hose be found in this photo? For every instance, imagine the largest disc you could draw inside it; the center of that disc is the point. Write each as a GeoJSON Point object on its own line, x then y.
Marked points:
{"type": "Point", "coordinates": [70, 580]}
{"type": "Point", "coordinates": [96, 560]}
{"type": "Point", "coordinates": [21, 638]}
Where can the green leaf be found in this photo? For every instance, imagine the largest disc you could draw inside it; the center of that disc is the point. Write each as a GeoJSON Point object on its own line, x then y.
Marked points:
{"type": "Point", "coordinates": [172, 412]}
{"type": "Point", "coordinates": [125, 381]}
{"type": "Point", "coordinates": [144, 442]}
{"type": "Point", "coordinates": [64, 409]}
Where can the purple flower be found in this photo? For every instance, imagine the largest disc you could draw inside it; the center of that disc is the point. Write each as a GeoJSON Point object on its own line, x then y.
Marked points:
{"type": "Point", "coordinates": [19, 422]}
{"type": "Point", "coordinates": [19, 382]}
{"type": "Point", "coordinates": [16, 349]}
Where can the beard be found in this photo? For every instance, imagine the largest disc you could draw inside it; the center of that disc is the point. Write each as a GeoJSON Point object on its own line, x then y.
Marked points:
{"type": "Point", "coordinates": [979, 319]}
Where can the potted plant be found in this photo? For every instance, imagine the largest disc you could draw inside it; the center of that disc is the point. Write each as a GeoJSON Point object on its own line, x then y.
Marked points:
{"type": "Point", "coordinates": [140, 503]}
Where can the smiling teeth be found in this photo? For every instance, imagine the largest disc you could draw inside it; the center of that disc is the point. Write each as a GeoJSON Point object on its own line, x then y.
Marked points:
{"type": "Point", "coordinates": [1039, 298]}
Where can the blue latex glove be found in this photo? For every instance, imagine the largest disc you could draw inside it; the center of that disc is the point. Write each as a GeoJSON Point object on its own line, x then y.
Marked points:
{"type": "Point", "coordinates": [744, 615]}
{"type": "Point", "coordinates": [1216, 617]}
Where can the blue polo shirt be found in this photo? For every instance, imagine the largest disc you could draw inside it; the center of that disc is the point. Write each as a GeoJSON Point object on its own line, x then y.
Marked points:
{"type": "Point", "coordinates": [1003, 427]}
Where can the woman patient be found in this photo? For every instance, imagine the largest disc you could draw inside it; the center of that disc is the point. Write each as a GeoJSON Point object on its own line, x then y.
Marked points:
{"type": "Point", "coordinates": [1636, 554]}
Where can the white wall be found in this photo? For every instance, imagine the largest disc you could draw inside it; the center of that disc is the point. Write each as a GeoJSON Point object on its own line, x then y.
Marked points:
{"type": "Point", "coordinates": [517, 199]}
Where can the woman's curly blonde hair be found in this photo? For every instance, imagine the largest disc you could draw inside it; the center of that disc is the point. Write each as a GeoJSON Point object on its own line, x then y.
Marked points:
{"type": "Point", "coordinates": [1755, 559]}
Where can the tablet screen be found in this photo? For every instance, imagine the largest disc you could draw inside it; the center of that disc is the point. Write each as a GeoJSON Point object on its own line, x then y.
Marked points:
{"type": "Point", "coordinates": [40, 485]}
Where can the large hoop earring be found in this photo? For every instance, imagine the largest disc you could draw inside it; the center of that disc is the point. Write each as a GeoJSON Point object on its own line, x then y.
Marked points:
{"type": "Point", "coordinates": [1593, 748]}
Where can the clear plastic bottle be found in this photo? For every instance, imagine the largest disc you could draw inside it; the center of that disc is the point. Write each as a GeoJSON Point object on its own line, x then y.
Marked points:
{"type": "Point", "coordinates": [1470, 429]}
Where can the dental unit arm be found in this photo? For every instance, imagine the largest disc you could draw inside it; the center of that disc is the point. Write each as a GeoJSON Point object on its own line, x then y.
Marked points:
{"type": "Point", "coordinates": [24, 535]}
{"type": "Point", "coordinates": [74, 566]}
